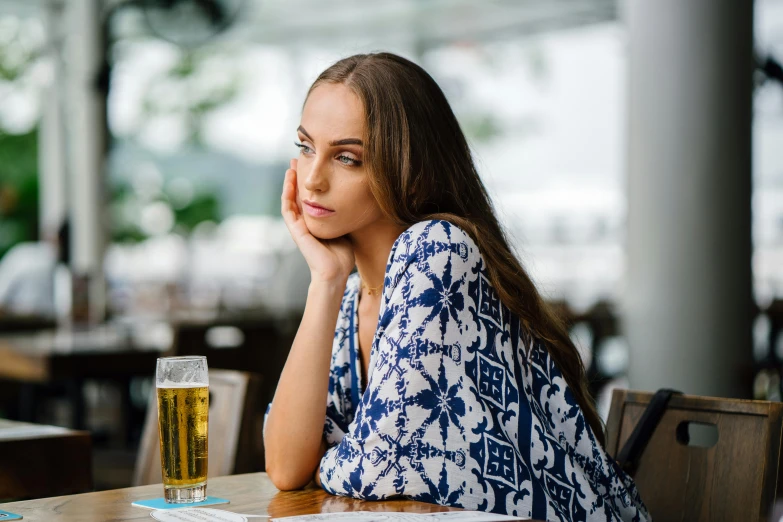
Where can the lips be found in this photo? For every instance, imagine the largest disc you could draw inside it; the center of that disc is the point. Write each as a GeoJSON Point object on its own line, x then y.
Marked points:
{"type": "Point", "coordinates": [314, 209]}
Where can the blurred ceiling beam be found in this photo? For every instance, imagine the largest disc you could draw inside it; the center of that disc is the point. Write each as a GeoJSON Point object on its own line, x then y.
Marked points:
{"type": "Point", "coordinates": [429, 23]}
{"type": "Point", "coordinates": [22, 8]}
{"type": "Point", "coordinates": [432, 22]}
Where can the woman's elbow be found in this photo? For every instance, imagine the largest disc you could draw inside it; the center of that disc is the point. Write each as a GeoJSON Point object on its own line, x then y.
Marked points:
{"type": "Point", "coordinates": [286, 479]}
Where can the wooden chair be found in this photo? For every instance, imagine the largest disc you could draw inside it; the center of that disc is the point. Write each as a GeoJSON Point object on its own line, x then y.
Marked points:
{"type": "Point", "coordinates": [234, 429]}
{"type": "Point", "coordinates": [733, 480]}
{"type": "Point", "coordinates": [261, 346]}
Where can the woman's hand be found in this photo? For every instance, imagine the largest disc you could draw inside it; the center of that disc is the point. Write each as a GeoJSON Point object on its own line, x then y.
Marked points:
{"type": "Point", "coordinates": [330, 260]}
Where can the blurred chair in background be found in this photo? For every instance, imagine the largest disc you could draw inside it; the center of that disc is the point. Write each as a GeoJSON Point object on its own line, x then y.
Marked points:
{"type": "Point", "coordinates": [775, 313]}
{"type": "Point", "coordinates": [708, 459]}
{"type": "Point", "coordinates": [768, 351]}
{"type": "Point", "coordinates": [27, 281]}
{"type": "Point", "coordinates": [234, 430]}
{"type": "Point", "coordinates": [258, 345]}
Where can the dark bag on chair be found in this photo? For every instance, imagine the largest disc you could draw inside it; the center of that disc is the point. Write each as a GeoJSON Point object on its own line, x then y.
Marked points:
{"type": "Point", "coordinates": [628, 459]}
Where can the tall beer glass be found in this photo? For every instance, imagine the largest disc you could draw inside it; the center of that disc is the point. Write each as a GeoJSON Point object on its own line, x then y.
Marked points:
{"type": "Point", "coordinates": [182, 384]}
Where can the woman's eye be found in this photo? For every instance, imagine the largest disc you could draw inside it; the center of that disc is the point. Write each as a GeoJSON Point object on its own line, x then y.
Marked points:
{"type": "Point", "coordinates": [345, 160]}
{"type": "Point", "coordinates": [303, 148]}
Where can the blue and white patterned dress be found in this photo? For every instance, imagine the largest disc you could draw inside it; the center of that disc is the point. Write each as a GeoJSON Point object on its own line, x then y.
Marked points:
{"type": "Point", "coordinates": [462, 407]}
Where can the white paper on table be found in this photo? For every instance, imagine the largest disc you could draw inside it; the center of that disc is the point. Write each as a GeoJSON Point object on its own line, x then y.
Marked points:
{"type": "Point", "coordinates": [470, 516]}
{"type": "Point", "coordinates": [200, 515]}
{"type": "Point", "coordinates": [397, 516]}
{"type": "Point", "coordinates": [29, 430]}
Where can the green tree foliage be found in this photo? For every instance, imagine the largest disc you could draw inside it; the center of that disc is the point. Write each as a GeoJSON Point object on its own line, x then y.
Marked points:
{"type": "Point", "coordinates": [20, 48]}
{"type": "Point", "coordinates": [199, 93]}
{"type": "Point", "coordinates": [18, 188]}
{"type": "Point", "coordinates": [126, 206]}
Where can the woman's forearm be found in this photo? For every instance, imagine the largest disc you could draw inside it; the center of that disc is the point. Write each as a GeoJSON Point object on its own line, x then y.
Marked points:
{"type": "Point", "coordinates": [294, 427]}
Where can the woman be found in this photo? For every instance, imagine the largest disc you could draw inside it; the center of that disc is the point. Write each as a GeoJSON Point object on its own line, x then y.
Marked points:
{"type": "Point", "coordinates": [447, 379]}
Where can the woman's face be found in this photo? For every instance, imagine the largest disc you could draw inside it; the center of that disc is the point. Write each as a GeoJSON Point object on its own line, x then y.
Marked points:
{"type": "Point", "coordinates": [333, 191]}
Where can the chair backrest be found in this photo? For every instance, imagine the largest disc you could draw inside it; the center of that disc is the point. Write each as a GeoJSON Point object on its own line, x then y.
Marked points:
{"type": "Point", "coordinates": [679, 478]}
{"type": "Point", "coordinates": [260, 346]}
{"type": "Point", "coordinates": [233, 429]}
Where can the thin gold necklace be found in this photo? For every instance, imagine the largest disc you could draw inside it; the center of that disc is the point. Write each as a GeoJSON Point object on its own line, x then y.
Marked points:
{"type": "Point", "coordinates": [371, 290]}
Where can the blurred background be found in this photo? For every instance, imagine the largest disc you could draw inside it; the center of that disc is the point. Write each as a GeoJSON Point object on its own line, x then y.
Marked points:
{"type": "Point", "coordinates": [634, 150]}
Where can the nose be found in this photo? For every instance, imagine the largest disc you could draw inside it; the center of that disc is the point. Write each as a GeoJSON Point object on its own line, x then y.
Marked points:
{"type": "Point", "coordinates": [317, 180]}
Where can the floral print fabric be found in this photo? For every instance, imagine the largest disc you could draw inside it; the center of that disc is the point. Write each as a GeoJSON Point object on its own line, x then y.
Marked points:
{"type": "Point", "coordinates": [463, 407]}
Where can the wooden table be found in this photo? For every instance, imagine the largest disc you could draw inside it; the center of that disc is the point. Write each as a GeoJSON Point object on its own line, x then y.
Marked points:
{"type": "Point", "coordinates": [100, 352]}
{"type": "Point", "coordinates": [70, 357]}
{"type": "Point", "coordinates": [251, 494]}
{"type": "Point", "coordinates": [39, 461]}
{"type": "Point", "coordinates": [117, 352]}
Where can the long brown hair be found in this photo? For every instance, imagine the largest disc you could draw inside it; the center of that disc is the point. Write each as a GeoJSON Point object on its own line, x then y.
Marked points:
{"type": "Point", "coordinates": [422, 169]}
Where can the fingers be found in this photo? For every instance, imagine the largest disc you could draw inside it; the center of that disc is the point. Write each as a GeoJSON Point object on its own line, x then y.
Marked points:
{"type": "Point", "coordinates": [288, 205]}
{"type": "Point", "coordinates": [289, 184]}
{"type": "Point", "coordinates": [292, 215]}
{"type": "Point", "coordinates": [285, 197]}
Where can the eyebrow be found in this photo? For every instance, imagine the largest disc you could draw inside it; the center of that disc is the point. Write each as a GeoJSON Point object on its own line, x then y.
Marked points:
{"type": "Point", "coordinates": [346, 141]}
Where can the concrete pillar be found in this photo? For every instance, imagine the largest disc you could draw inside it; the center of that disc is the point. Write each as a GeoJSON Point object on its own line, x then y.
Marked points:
{"type": "Point", "coordinates": [52, 157]}
{"type": "Point", "coordinates": [687, 312]}
{"type": "Point", "coordinates": [86, 121]}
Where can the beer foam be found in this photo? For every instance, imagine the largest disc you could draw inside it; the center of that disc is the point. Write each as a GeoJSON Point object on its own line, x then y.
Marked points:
{"type": "Point", "coordinates": [170, 384]}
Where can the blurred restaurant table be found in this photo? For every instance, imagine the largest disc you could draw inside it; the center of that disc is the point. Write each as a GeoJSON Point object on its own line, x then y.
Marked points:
{"type": "Point", "coordinates": [96, 352]}
{"type": "Point", "coordinates": [250, 494]}
{"type": "Point", "coordinates": [16, 323]}
{"type": "Point", "coordinates": [62, 461]}
{"type": "Point", "coordinates": [60, 360]}
{"type": "Point", "coordinates": [71, 356]}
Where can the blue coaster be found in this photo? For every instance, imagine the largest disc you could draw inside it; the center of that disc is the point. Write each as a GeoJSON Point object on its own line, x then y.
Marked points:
{"type": "Point", "coordinates": [160, 503]}
{"type": "Point", "coordinates": [5, 515]}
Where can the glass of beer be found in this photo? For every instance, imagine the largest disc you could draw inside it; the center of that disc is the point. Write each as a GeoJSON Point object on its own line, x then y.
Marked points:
{"type": "Point", "coordinates": [182, 384]}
